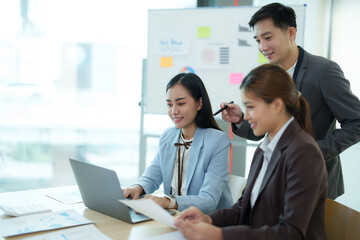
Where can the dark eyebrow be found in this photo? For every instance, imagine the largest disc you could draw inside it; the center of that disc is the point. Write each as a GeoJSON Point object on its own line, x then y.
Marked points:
{"type": "Point", "coordinates": [178, 99]}
{"type": "Point", "coordinates": [263, 34]}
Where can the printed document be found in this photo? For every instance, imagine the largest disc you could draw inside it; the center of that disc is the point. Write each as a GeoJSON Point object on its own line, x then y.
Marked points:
{"type": "Point", "coordinates": [86, 232]}
{"type": "Point", "coordinates": [66, 197]}
{"type": "Point", "coordinates": [41, 222]}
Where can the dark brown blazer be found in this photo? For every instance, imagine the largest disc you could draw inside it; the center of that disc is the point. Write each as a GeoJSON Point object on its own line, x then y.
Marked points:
{"type": "Point", "coordinates": [291, 200]}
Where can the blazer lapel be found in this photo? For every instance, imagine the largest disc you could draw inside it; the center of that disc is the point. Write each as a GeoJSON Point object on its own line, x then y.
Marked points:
{"type": "Point", "coordinates": [254, 172]}
{"type": "Point", "coordinates": [281, 145]}
{"type": "Point", "coordinates": [270, 169]}
{"type": "Point", "coordinates": [302, 70]}
{"type": "Point", "coordinates": [194, 156]}
{"type": "Point", "coordinates": [170, 157]}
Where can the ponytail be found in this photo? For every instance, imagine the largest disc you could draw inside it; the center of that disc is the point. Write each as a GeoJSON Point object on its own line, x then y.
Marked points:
{"type": "Point", "coordinates": [303, 116]}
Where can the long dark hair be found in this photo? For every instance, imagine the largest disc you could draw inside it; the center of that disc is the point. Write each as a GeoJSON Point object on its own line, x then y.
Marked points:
{"type": "Point", "coordinates": [269, 81]}
{"type": "Point", "coordinates": [204, 117]}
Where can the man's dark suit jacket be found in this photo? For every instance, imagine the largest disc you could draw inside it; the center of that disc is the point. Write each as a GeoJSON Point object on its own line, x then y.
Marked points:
{"type": "Point", "coordinates": [324, 86]}
{"type": "Point", "coordinates": [291, 200]}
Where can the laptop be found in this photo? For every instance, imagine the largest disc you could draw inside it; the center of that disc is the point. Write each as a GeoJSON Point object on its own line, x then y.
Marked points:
{"type": "Point", "coordinates": [100, 190]}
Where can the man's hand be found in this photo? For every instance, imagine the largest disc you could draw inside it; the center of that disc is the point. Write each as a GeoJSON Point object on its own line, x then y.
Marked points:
{"type": "Point", "coordinates": [232, 113]}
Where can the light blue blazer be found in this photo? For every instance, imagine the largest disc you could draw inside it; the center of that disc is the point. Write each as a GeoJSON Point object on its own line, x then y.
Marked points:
{"type": "Point", "coordinates": [207, 177]}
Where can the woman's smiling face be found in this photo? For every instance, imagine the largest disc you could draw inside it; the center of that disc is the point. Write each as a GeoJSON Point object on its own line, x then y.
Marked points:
{"type": "Point", "coordinates": [182, 107]}
{"type": "Point", "coordinates": [260, 115]}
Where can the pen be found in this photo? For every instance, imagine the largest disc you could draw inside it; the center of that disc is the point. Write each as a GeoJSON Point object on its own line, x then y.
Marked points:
{"type": "Point", "coordinates": [222, 109]}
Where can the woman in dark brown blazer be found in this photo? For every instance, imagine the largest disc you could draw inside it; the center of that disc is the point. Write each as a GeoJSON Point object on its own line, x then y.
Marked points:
{"type": "Point", "coordinates": [287, 184]}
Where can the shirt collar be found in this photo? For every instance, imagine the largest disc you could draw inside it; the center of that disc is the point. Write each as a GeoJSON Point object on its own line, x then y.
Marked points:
{"type": "Point", "coordinates": [266, 145]}
{"type": "Point", "coordinates": [184, 140]}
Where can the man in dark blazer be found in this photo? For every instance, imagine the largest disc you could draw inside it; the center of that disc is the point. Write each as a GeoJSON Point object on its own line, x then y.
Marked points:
{"type": "Point", "coordinates": [320, 81]}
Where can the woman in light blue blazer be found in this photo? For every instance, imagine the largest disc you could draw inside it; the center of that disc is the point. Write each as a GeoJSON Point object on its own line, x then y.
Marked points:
{"type": "Point", "coordinates": [193, 157]}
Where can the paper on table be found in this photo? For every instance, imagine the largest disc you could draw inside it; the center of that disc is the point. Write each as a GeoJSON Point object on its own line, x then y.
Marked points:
{"type": "Point", "coordinates": [41, 222]}
{"type": "Point", "coordinates": [88, 232]}
{"type": "Point", "coordinates": [173, 236]}
{"type": "Point", "coordinates": [66, 197]}
{"type": "Point", "coordinates": [149, 208]}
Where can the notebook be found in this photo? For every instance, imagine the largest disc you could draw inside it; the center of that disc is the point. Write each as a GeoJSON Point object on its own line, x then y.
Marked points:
{"type": "Point", "coordinates": [100, 189]}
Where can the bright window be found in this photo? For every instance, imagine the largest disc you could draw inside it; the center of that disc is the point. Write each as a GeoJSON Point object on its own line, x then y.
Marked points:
{"type": "Point", "coordinates": [70, 84]}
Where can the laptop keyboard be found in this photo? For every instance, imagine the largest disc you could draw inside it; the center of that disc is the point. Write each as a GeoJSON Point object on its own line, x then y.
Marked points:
{"type": "Point", "coordinates": [137, 216]}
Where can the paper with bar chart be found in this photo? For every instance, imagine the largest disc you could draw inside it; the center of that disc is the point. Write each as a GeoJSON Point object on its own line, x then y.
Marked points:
{"type": "Point", "coordinates": [87, 232]}
{"type": "Point", "coordinates": [41, 222]}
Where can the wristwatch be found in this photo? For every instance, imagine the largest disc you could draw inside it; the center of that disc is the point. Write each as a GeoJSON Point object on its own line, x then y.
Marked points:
{"type": "Point", "coordinates": [172, 201]}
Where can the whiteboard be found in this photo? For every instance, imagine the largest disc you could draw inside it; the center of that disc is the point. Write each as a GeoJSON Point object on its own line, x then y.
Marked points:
{"type": "Point", "coordinates": [214, 43]}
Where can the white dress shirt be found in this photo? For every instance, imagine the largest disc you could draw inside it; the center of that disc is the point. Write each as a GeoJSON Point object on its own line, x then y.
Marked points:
{"type": "Point", "coordinates": [268, 148]}
{"type": "Point", "coordinates": [291, 70]}
{"type": "Point", "coordinates": [174, 181]}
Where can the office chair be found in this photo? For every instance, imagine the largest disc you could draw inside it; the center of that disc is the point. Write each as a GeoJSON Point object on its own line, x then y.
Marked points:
{"type": "Point", "coordinates": [237, 184]}
{"type": "Point", "coordinates": [341, 222]}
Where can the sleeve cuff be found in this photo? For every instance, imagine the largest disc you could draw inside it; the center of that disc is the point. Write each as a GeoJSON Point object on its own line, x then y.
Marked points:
{"type": "Point", "coordinates": [172, 201]}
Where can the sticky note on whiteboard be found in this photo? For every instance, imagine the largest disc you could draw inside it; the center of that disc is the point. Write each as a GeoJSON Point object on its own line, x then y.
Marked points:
{"type": "Point", "coordinates": [166, 61]}
{"type": "Point", "coordinates": [262, 58]}
{"type": "Point", "coordinates": [203, 32]}
{"type": "Point", "coordinates": [236, 78]}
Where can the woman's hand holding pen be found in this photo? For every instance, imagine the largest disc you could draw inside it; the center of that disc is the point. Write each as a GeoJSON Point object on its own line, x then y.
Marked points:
{"type": "Point", "coordinates": [232, 113]}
